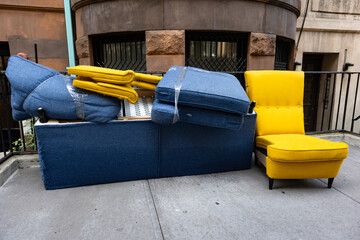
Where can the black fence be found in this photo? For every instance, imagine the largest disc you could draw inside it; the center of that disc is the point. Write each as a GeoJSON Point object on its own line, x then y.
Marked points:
{"type": "Point", "coordinates": [336, 109]}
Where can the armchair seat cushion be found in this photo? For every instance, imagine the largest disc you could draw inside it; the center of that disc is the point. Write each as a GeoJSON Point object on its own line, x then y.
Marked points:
{"type": "Point", "coordinates": [301, 148]}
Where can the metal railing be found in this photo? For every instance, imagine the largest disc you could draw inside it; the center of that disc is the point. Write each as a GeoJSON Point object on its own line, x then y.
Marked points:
{"type": "Point", "coordinates": [338, 101]}
{"type": "Point", "coordinates": [337, 109]}
{"type": "Point", "coordinates": [10, 130]}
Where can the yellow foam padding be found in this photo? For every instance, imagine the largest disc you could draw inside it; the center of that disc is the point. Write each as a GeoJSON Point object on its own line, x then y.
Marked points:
{"type": "Point", "coordinates": [290, 148]}
{"type": "Point", "coordinates": [301, 170]}
{"type": "Point", "coordinates": [279, 101]}
{"type": "Point", "coordinates": [148, 78]}
{"type": "Point", "coordinates": [103, 74]}
{"type": "Point", "coordinates": [118, 91]}
{"type": "Point", "coordinates": [144, 85]}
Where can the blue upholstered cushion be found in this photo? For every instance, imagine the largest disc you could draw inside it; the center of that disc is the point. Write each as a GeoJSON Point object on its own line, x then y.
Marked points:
{"type": "Point", "coordinates": [34, 86]}
{"type": "Point", "coordinates": [203, 89]}
{"type": "Point", "coordinates": [163, 113]}
{"type": "Point", "coordinates": [24, 77]}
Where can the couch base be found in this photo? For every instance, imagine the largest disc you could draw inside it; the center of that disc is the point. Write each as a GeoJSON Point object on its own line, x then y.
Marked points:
{"type": "Point", "coordinates": [84, 153]}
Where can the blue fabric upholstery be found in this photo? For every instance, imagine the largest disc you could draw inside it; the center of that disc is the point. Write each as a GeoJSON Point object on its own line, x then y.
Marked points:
{"type": "Point", "coordinates": [34, 86]}
{"type": "Point", "coordinates": [77, 154]}
{"type": "Point", "coordinates": [163, 113]}
{"type": "Point", "coordinates": [188, 149]}
{"type": "Point", "coordinates": [24, 77]}
{"type": "Point", "coordinates": [203, 89]}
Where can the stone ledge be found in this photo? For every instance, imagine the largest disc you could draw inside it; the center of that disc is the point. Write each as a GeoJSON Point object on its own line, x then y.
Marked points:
{"type": "Point", "coordinates": [15, 162]}
{"type": "Point", "coordinates": [346, 137]}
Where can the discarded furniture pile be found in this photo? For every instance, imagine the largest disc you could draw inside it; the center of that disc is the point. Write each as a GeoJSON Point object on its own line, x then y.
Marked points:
{"type": "Point", "coordinates": [99, 127]}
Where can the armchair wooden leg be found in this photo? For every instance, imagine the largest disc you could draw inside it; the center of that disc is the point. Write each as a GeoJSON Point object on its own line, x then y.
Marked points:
{"type": "Point", "coordinates": [330, 182]}
{"type": "Point", "coordinates": [271, 183]}
{"type": "Point", "coordinates": [256, 160]}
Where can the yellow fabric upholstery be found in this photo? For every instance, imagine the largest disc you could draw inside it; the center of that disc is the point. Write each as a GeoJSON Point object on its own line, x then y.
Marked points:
{"type": "Point", "coordinates": [280, 128]}
{"type": "Point", "coordinates": [112, 76]}
{"type": "Point", "coordinates": [118, 91]}
{"type": "Point", "coordinates": [148, 78]}
{"type": "Point", "coordinates": [144, 85]}
{"type": "Point", "coordinates": [103, 74]}
{"type": "Point", "coordinates": [296, 170]}
{"type": "Point", "coordinates": [301, 148]}
{"type": "Point", "coordinates": [279, 101]}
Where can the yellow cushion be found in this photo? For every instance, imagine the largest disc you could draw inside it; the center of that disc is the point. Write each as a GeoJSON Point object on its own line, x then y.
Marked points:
{"type": "Point", "coordinates": [279, 101]}
{"type": "Point", "coordinates": [144, 85]}
{"type": "Point", "coordinates": [148, 78]}
{"type": "Point", "coordinates": [103, 74]}
{"type": "Point", "coordinates": [119, 91]}
{"type": "Point", "coordinates": [301, 148]}
{"type": "Point", "coordinates": [301, 170]}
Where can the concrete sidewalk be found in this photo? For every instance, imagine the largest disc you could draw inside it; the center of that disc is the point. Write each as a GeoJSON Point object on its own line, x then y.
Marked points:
{"type": "Point", "coordinates": [233, 205]}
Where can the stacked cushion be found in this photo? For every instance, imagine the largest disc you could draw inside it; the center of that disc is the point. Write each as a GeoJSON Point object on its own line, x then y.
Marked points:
{"type": "Point", "coordinates": [203, 89]}
{"type": "Point", "coordinates": [163, 113]}
{"type": "Point", "coordinates": [202, 97]}
{"type": "Point", "coordinates": [112, 82]}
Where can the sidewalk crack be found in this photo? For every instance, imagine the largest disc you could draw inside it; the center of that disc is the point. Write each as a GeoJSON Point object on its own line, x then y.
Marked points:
{"type": "Point", "coordinates": [156, 211]}
{"type": "Point", "coordinates": [358, 202]}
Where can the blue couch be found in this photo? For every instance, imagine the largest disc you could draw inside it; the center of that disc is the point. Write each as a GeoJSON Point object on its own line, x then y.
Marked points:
{"type": "Point", "coordinates": [83, 153]}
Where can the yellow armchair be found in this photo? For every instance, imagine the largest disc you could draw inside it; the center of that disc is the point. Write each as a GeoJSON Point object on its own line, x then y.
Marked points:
{"type": "Point", "coordinates": [281, 143]}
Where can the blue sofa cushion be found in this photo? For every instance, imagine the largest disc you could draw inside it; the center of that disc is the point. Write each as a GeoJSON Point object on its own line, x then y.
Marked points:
{"type": "Point", "coordinates": [203, 89]}
{"type": "Point", "coordinates": [24, 77]}
{"type": "Point", "coordinates": [163, 113]}
{"type": "Point", "coordinates": [60, 100]}
{"type": "Point", "coordinates": [34, 86]}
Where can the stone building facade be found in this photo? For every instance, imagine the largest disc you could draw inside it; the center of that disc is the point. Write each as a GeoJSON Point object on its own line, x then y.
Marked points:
{"type": "Point", "coordinates": [181, 32]}
{"type": "Point", "coordinates": [331, 29]}
{"type": "Point", "coordinates": [28, 22]}
{"type": "Point", "coordinates": [330, 38]}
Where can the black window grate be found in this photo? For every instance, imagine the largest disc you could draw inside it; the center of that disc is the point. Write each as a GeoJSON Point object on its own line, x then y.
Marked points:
{"type": "Point", "coordinates": [282, 54]}
{"type": "Point", "coordinates": [4, 55]}
{"type": "Point", "coordinates": [216, 51]}
{"type": "Point", "coordinates": [120, 51]}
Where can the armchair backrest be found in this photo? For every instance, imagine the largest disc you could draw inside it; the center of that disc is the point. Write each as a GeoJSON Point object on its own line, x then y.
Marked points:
{"type": "Point", "coordinates": [279, 101]}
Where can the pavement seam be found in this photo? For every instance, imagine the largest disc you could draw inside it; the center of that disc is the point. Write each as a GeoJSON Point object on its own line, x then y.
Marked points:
{"type": "Point", "coordinates": [358, 202]}
{"type": "Point", "coordinates": [156, 211]}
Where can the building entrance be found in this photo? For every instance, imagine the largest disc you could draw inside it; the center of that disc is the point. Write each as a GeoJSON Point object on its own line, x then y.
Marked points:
{"type": "Point", "coordinates": [311, 62]}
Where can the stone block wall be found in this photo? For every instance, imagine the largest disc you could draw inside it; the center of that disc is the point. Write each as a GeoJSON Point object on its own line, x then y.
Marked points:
{"type": "Point", "coordinates": [261, 51]}
{"type": "Point", "coordinates": [164, 49]}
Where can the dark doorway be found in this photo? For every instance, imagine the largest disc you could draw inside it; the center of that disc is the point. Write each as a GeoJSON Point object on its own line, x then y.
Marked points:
{"type": "Point", "coordinates": [311, 62]}
{"type": "Point", "coordinates": [282, 54]}
{"type": "Point", "coordinates": [9, 129]}
{"type": "Point", "coordinates": [4, 55]}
